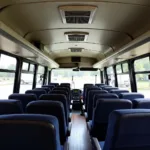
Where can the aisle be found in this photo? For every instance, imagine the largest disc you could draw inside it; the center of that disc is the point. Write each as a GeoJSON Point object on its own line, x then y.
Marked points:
{"type": "Point", "coordinates": [79, 138]}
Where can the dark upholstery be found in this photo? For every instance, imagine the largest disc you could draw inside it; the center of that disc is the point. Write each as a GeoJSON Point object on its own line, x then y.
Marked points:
{"type": "Point", "coordinates": [118, 92]}
{"type": "Point", "coordinates": [24, 98]}
{"type": "Point", "coordinates": [84, 89]}
{"type": "Point", "coordinates": [50, 108]}
{"type": "Point", "coordinates": [58, 97]}
{"type": "Point", "coordinates": [29, 132]}
{"type": "Point", "coordinates": [38, 93]}
{"type": "Point", "coordinates": [87, 94]}
{"type": "Point", "coordinates": [101, 113]}
{"type": "Point", "coordinates": [43, 88]}
{"type": "Point", "coordinates": [103, 96]}
{"type": "Point", "coordinates": [51, 87]}
{"type": "Point", "coordinates": [90, 101]}
{"type": "Point", "coordinates": [141, 103]}
{"type": "Point", "coordinates": [61, 92]}
{"type": "Point", "coordinates": [131, 96]}
{"type": "Point", "coordinates": [110, 88]}
{"type": "Point", "coordinates": [10, 107]}
{"type": "Point", "coordinates": [55, 84]}
{"type": "Point", "coordinates": [100, 84]}
{"type": "Point", "coordinates": [128, 130]}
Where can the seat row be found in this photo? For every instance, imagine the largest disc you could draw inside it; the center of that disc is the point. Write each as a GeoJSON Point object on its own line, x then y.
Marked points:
{"type": "Point", "coordinates": [111, 106]}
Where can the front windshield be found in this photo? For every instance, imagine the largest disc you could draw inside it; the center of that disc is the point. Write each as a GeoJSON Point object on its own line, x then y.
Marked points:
{"type": "Point", "coordinates": [76, 78]}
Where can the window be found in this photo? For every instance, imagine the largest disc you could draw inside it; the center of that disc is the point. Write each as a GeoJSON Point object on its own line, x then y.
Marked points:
{"type": "Point", "coordinates": [76, 78]}
{"type": "Point", "coordinates": [111, 77]}
{"type": "Point", "coordinates": [143, 84]}
{"type": "Point", "coordinates": [26, 77]}
{"type": "Point", "coordinates": [25, 66]}
{"type": "Point", "coordinates": [123, 77]}
{"type": "Point", "coordinates": [142, 64]}
{"type": "Point", "coordinates": [40, 76]}
{"type": "Point", "coordinates": [125, 67]}
{"type": "Point", "coordinates": [142, 70]}
{"type": "Point", "coordinates": [118, 69]}
{"type": "Point", "coordinates": [7, 77]}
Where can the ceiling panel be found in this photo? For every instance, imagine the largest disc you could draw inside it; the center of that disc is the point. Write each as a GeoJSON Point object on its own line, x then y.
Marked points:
{"type": "Point", "coordinates": [115, 24]}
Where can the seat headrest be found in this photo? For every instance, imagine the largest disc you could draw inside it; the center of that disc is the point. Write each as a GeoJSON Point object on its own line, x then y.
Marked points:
{"type": "Point", "coordinates": [36, 92]}
{"type": "Point", "coordinates": [128, 129]}
{"type": "Point", "coordinates": [10, 107]}
{"type": "Point", "coordinates": [105, 106]}
{"type": "Point", "coordinates": [131, 96]}
{"type": "Point", "coordinates": [141, 103]}
{"type": "Point", "coordinates": [53, 96]}
{"type": "Point", "coordinates": [30, 131]}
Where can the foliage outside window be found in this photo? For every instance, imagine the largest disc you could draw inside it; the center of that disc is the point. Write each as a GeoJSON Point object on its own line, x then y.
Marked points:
{"type": "Point", "coordinates": [142, 66]}
{"type": "Point", "coordinates": [118, 69]}
{"type": "Point", "coordinates": [125, 67]}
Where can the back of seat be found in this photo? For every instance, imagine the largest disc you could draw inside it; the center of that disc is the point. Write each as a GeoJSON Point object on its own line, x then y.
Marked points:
{"type": "Point", "coordinates": [101, 113]}
{"type": "Point", "coordinates": [103, 96]}
{"type": "Point", "coordinates": [55, 84]}
{"type": "Point", "coordinates": [58, 97]}
{"type": "Point", "coordinates": [43, 88]}
{"type": "Point", "coordinates": [53, 108]}
{"type": "Point", "coordinates": [100, 84]}
{"type": "Point", "coordinates": [110, 88]}
{"type": "Point", "coordinates": [61, 92]}
{"type": "Point", "coordinates": [131, 96]}
{"type": "Point", "coordinates": [141, 103]}
{"type": "Point", "coordinates": [84, 89]}
{"type": "Point", "coordinates": [38, 93]}
{"type": "Point", "coordinates": [51, 87]}
{"type": "Point", "coordinates": [90, 101]}
{"type": "Point", "coordinates": [87, 94]}
{"type": "Point", "coordinates": [118, 92]}
{"type": "Point", "coordinates": [29, 132]}
{"type": "Point", "coordinates": [24, 98]}
{"type": "Point", "coordinates": [10, 107]}
{"type": "Point", "coordinates": [128, 130]}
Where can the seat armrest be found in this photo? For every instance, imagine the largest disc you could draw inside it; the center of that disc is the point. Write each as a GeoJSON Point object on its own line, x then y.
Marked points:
{"type": "Point", "coordinates": [96, 144]}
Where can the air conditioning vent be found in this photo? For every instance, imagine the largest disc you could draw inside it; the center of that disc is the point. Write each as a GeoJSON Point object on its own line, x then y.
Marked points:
{"type": "Point", "coordinates": [76, 50]}
{"type": "Point", "coordinates": [77, 14]}
{"type": "Point", "coordinates": [76, 36]}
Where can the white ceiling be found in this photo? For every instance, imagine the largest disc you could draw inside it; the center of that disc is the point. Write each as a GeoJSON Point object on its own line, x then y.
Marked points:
{"type": "Point", "coordinates": [116, 23]}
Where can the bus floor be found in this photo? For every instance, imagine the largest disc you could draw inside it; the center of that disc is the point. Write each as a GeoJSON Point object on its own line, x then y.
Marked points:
{"type": "Point", "coordinates": [79, 138]}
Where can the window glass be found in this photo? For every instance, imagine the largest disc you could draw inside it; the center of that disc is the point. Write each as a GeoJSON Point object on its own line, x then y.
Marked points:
{"type": "Point", "coordinates": [142, 64]}
{"type": "Point", "coordinates": [118, 69]}
{"type": "Point", "coordinates": [110, 70]}
{"type": "Point", "coordinates": [6, 84]}
{"type": "Point", "coordinates": [25, 66]}
{"type": "Point", "coordinates": [7, 62]}
{"type": "Point", "coordinates": [76, 78]}
{"type": "Point", "coordinates": [40, 76]}
{"type": "Point", "coordinates": [111, 78]}
{"type": "Point", "coordinates": [143, 84]}
{"type": "Point", "coordinates": [26, 82]}
{"type": "Point", "coordinates": [125, 67]}
{"type": "Point", "coordinates": [124, 82]}
{"type": "Point", "coordinates": [31, 67]}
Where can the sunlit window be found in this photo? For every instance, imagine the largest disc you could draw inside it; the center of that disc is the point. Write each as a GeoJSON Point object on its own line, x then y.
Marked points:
{"type": "Point", "coordinates": [40, 76]}
{"type": "Point", "coordinates": [7, 78]}
{"type": "Point", "coordinates": [142, 66]}
{"type": "Point", "coordinates": [76, 78]}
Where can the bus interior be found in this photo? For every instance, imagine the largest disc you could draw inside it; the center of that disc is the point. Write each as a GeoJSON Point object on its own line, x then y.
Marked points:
{"type": "Point", "coordinates": [75, 75]}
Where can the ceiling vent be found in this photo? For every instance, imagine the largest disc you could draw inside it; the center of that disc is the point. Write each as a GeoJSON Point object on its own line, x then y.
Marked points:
{"type": "Point", "coordinates": [76, 36]}
{"type": "Point", "coordinates": [76, 50]}
{"type": "Point", "coordinates": [81, 14]}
